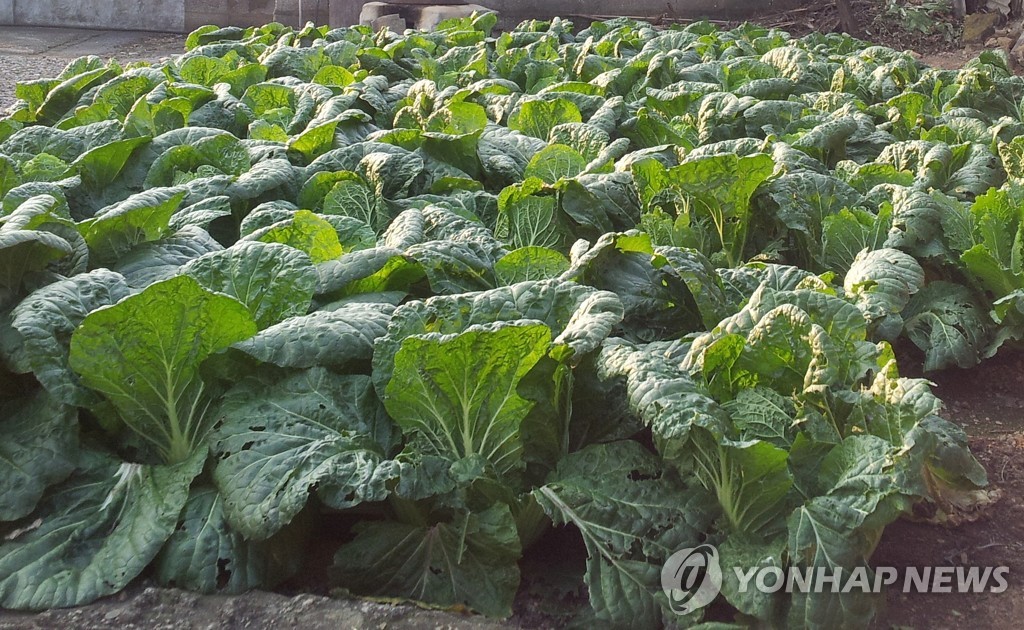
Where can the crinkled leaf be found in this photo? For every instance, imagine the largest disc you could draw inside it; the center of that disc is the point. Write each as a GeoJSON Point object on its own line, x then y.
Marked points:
{"type": "Point", "coordinates": [328, 338]}
{"type": "Point", "coordinates": [97, 531]}
{"type": "Point", "coordinates": [659, 393]}
{"type": "Point", "coordinates": [205, 555]}
{"type": "Point", "coordinates": [39, 449]}
{"type": "Point", "coordinates": [46, 320]}
{"type": "Point", "coordinates": [276, 443]}
{"type": "Point", "coordinates": [469, 560]}
{"type": "Point", "coordinates": [945, 321]}
{"type": "Point", "coordinates": [201, 213]}
{"type": "Point", "coordinates": [632, 516]}
{"type": "Point", "coordinates": [274, 281]}
{"type": "Point", "coordinates": [160, 260]}
{"type": "Point", "coordinates": [143, 354]}
{"type": "Point", "coordinates": [882, 282]}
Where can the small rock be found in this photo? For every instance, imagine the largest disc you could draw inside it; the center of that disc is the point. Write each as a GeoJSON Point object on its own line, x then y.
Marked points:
{"type": "Point", "coordinates": [391, 21]}
{"type": "Point", "coordinates": [374, 10]}
{"type": "Point", "coordinates": [999, 42]}
{"type": "Point", "coordinates": [378, 15]}
{"type": "Point", "coordinates": [431, 16]}
{"type": "Point", "coordinates": [1017, 54]}
{"type": "Point", "coordinates": [1012, 30]}
{"type": "Point", "coordinates": [979, 26]}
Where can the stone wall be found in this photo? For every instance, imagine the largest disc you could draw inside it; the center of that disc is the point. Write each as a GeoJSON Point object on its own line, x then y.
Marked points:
{"type": "Point", "coordinates": [145, 15]}
{"type": "Point", "coordinates": [6, 11]}
{"type": "Point", "coordinates": [185, 15]}
{"type": "Point", "coordinates": [228, 12]}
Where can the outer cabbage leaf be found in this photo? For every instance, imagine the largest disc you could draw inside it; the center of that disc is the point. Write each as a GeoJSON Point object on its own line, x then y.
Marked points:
{"type": "Point", "coordinates": [841, 526]}
{"type": "Point", "coordinates": [598, 204]}
{"type": "Point", "coordinates": [39, 449]}
{"type": "Point", "coordinates": [881, 283]}
{"type": "Point", "coordinates": [555, 162]}
{"type": "Point", "coordinates": [659, 393]}
{"type": "Point", "coordinates": [274, 281]}
{"type": "Point", "coordinates": [161, 260]}
{"type": "Point", "coordinates": [24, 251]}
{"type": "Point", "coordinates": [530, 263]}
{"type": "Point", "coordinates": [664, 293]}
{"type": "Point", "coordinates": [143, 354]}
{"type": "Point", "coordinates": [529, 219]}
{"type": "Point", "coordinates": [848, 232]}
{"type": "Point", "coordinates": [632, 515]}
{"type": "Point", "coordinates": [805, 202]}
{"type": "Point", "coordinates": [945, 321]}
{"type": "Point", "coordinates": [457, 393]}
{"type": "Point", "coordinates": [205, 555]}
{"type": "Point", "coordinates": [328, 338]}
{"type": "Point", "coordinates": [202, 213]}
{"type": "Point", "coordinates": [313, 430]}
{"type": "Point", "coordinates": [468, 560]}
{"type": "Point", "coordinates": [579, 317]}
{"type": "Point", "coordinates": [716, 192]}
{"type": "Point", "coordinates": [306, 232]}
{"type": "Point", "coordinates": [538, 117]}
{"type": "Point", "coordinates": [138, 219]}
{"type": "Point", "coordinates": [97, 531]}
{"type": "Point", "coordinates": [46, 320]}
{"type": "Point", "coordinates": [750, 479]}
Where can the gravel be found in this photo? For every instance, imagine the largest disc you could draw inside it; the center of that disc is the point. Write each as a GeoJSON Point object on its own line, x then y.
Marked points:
{"type": "Point", "coordinates": [26, 67]}
{"type": "Point", "coordinates": [18, 68]}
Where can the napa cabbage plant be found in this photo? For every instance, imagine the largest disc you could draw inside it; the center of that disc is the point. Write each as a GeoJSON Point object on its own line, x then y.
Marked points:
{"type": "Point", "coordinates": [460, 287]}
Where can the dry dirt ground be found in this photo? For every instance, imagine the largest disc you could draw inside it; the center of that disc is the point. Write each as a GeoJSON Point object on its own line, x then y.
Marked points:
{"type": "Point", "coordinates": [171, 609]}
{"type": "Point", "coordinates": [988, 401]}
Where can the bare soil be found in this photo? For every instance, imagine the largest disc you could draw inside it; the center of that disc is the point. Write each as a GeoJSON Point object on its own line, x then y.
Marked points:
{"type": "Point", "coordinates": [988, 401]}
{"type": "Point", "coordinates": [171, 609]}
{"type": "Point", "coordinates": [877, 23]}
